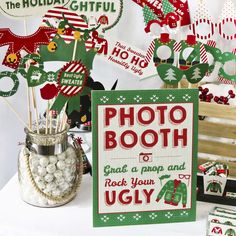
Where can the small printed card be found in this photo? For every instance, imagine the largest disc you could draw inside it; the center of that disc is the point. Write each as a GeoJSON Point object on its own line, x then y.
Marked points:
{"type": "Point", "coordinates": [222, 221]}
{"type": "Point", "coordinates": [144, 156]}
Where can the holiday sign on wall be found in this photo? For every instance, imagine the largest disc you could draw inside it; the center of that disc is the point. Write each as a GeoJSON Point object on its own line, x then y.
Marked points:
{"type": "Point", "coordinates": [145, 153]}
{"type": "Point", "coordinates": [25, 8]}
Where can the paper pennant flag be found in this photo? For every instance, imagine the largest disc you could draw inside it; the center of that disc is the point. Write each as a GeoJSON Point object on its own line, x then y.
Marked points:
{"type": "Point", "coordinates": [181, 8]}
{"type": "Point", "coordinates": [17, 43]}
{"type": "Point", "coordinates": [27, 8]}
{"type": "Point", "coordinates": [148, 14]}
{"type": "Point", "coordinates": [15, 80]}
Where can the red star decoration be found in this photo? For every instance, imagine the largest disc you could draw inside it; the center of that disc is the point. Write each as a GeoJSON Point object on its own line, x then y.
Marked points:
{"type": "Point", "coordinates": [79, 141]}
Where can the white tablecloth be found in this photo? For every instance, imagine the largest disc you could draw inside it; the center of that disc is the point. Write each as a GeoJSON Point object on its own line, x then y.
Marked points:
{"type": "Point", "coordinates": [75, 219]}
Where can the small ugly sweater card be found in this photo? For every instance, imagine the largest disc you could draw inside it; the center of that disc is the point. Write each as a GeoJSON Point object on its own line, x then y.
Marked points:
{"type": "Point", "coordinates": [144, 156]}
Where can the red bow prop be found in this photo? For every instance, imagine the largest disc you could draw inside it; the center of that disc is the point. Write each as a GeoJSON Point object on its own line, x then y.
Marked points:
{"type": "Point", "coordinates": [28, 43]}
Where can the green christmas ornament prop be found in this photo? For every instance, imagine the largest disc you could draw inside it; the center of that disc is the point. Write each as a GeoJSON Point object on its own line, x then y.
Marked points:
{"type": "Point", "coordinates": [15, 80]}
{"type": "Point", "coordinates": [226, 57]}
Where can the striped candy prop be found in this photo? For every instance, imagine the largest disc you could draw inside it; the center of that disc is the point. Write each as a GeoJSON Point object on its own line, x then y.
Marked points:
{"type": "Point", "coordinates": [72, 78]}
{"type": "Point", "coordinates": [177, 47]}
{"type": "Point", "coordinates": [55, 16]}
{"type": "Point", "coordinates": [203, 54]}
{"type": "Point", "coordinates": [202, 17]}
{"type": "Point", "coordinates": [227, 16]}
{"type": "Point", "coordinates": [150, 52]}
{"type": "Point", "coordinates": [194, 26]}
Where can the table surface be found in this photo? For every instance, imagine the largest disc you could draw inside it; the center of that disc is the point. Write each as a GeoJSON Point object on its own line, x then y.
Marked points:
{"type": "Point", "coordinates": [20, 219]}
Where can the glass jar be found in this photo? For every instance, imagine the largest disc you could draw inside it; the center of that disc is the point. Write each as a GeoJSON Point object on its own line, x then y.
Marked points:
{"type": "Point", "coordinates": [49, 169]}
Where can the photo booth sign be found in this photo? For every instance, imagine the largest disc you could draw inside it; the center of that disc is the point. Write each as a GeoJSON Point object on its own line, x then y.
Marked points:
{"type": "Point", "coordinates": [145, 152]}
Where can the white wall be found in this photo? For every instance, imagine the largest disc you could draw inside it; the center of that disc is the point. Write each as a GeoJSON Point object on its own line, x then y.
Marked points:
{"type": "Point", "coordinates": [130, 29]}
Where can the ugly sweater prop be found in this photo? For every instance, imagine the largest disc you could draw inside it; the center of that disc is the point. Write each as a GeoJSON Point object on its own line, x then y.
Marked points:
{"type": "Point", "coordinates": [214, 187]}
{"type": "Point", "coordinates": [175, 191]}
{"type": "Point", "coordinates": [230, 232]}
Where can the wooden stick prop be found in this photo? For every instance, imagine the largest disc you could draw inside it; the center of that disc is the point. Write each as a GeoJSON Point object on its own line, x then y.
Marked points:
{"type": "Point", "coordinates": [50, 122]}
{"type": "Point", "coordinates": [57, 123]}
{"type": "Point", "coordinates": [16, 113]}
{"type": "Point", "coordinates": [64, 118]}
{"type": "Point", "coordinates": [28, 91]}
{"type": "Point", "coordinates": [35, 109]}
{"type": "Point", "coordinates": [47, 114]}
